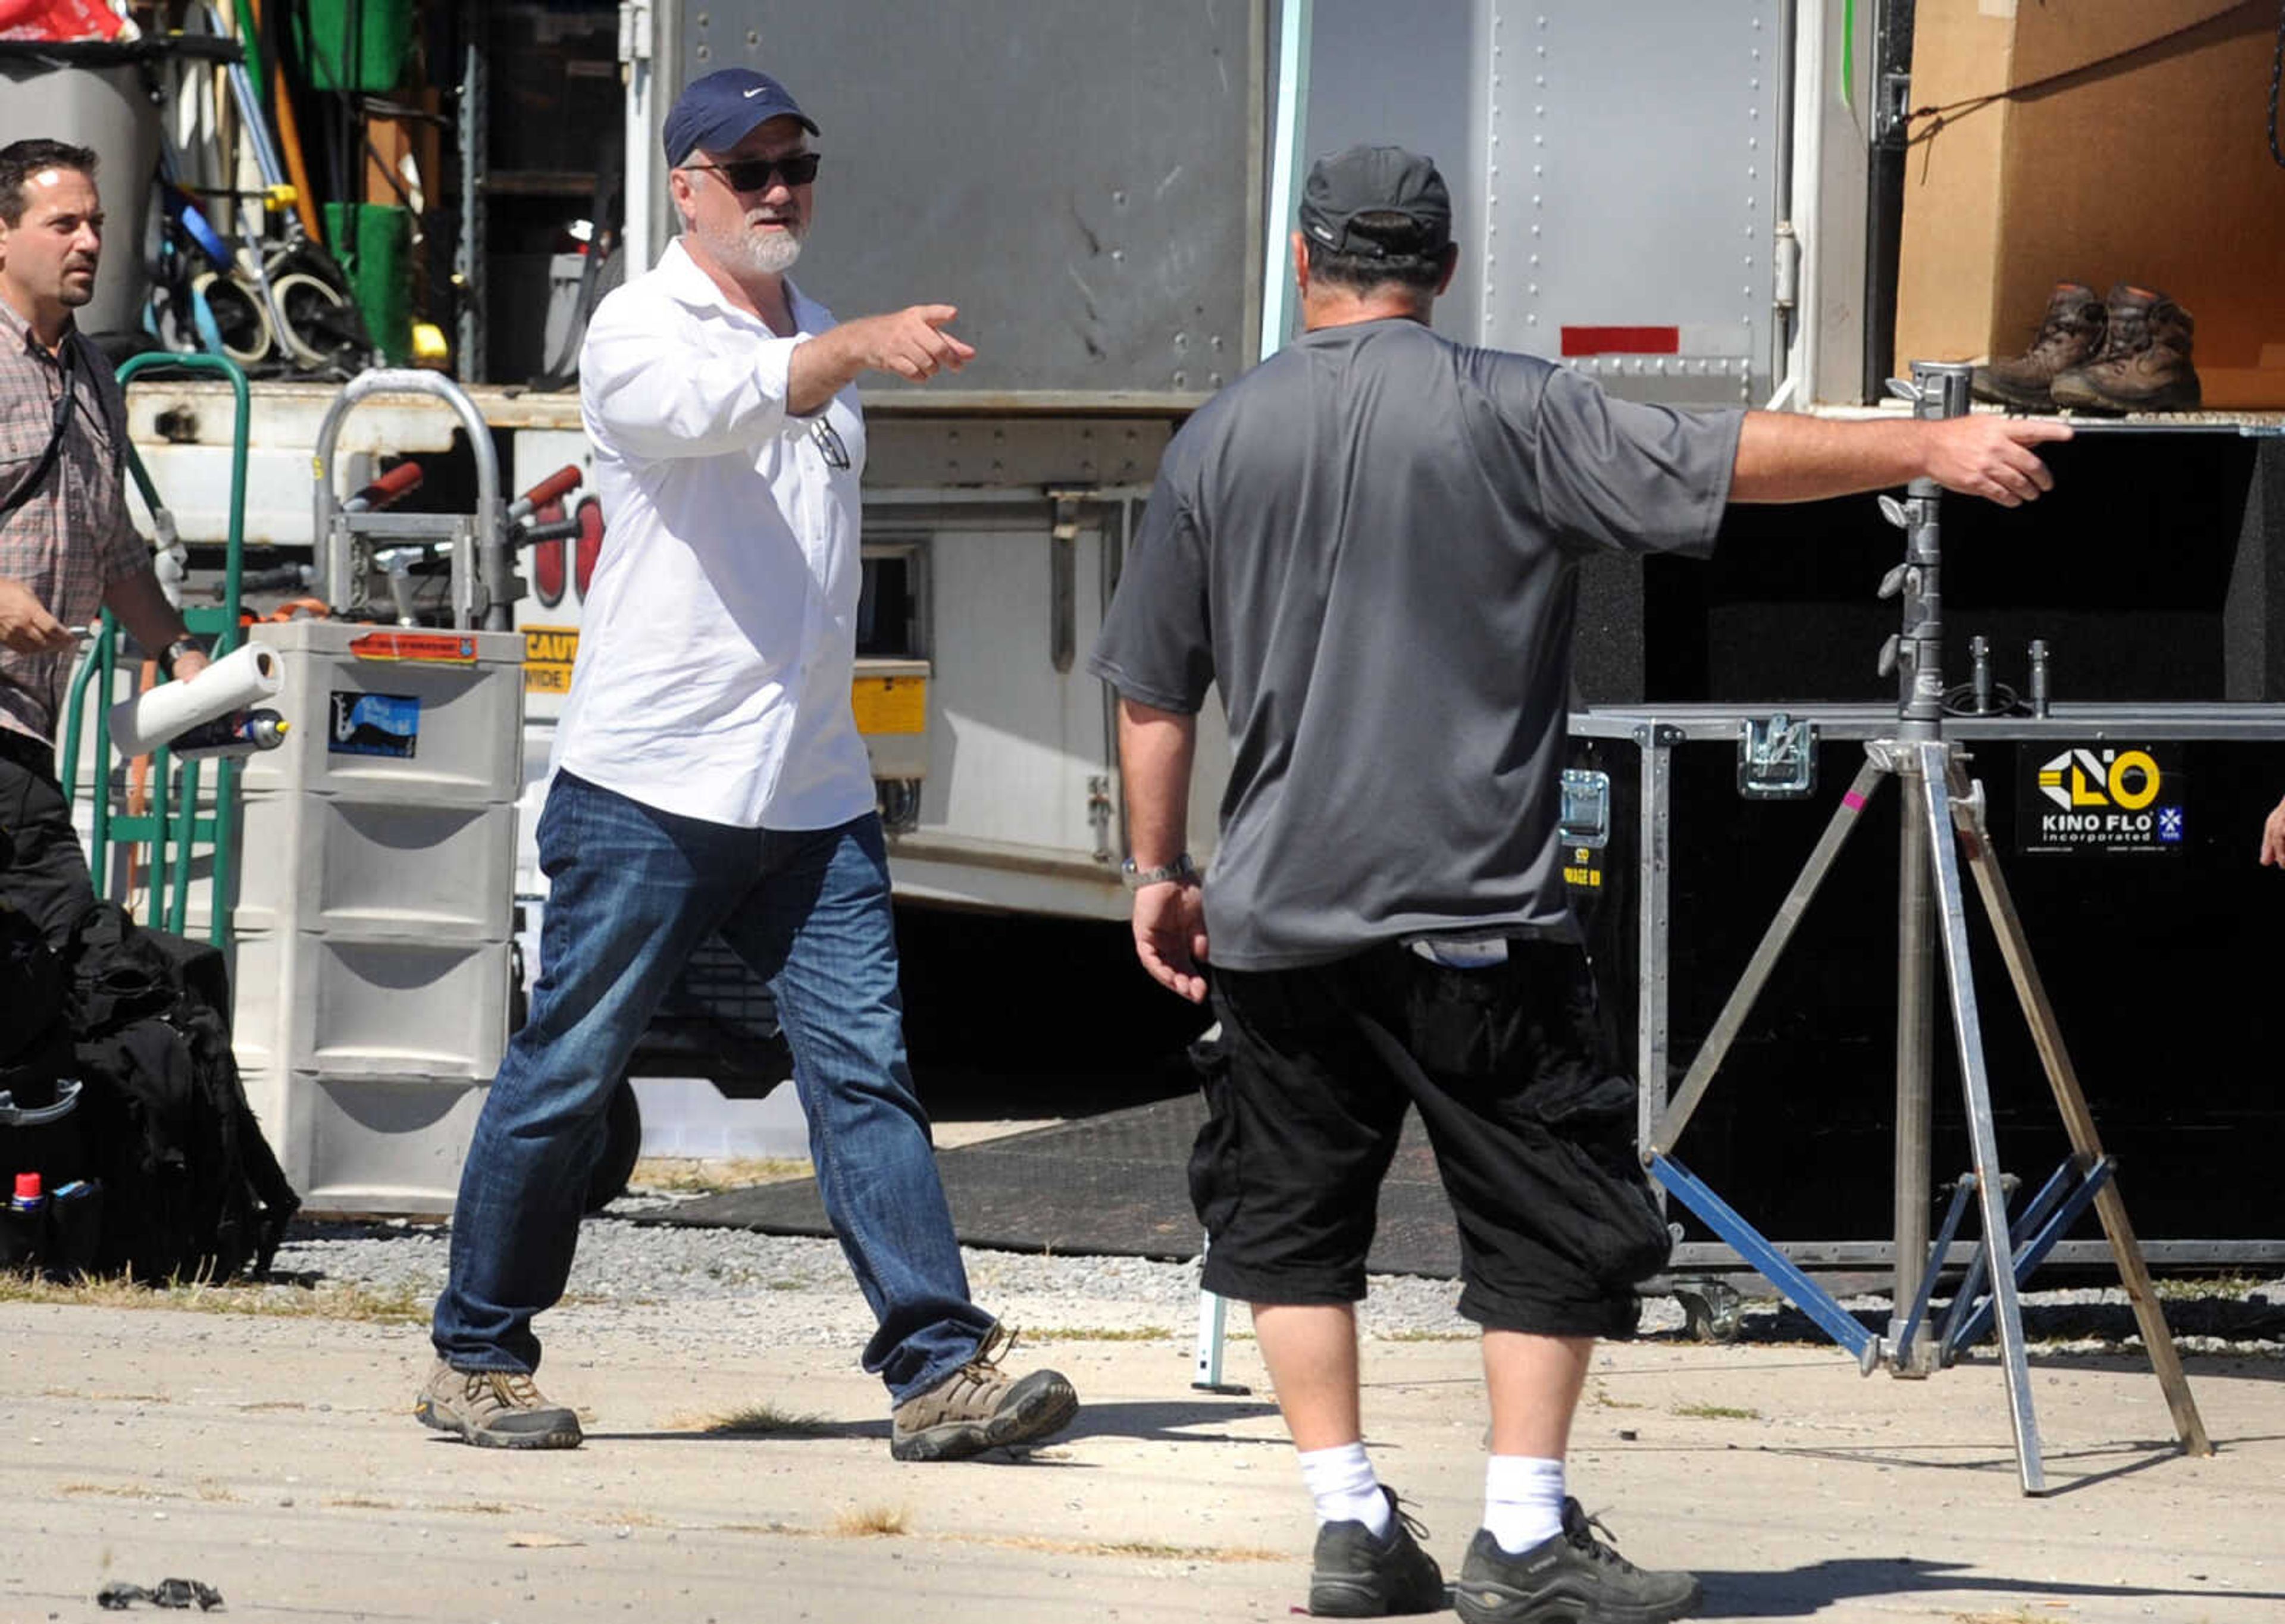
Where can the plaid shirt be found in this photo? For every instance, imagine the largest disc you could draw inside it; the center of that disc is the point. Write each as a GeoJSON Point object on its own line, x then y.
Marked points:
{"type": "Point", "coordinates": [72, 539]}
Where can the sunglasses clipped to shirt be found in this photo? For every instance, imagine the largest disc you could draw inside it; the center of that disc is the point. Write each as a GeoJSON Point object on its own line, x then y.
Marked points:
{"type": "Point", "coordinates": [753, 173]}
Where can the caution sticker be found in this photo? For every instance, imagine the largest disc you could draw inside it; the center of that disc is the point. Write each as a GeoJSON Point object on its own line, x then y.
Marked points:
{"type": "Point", "coordinates": [549, 653]}
{"type": "Point", "coordinates": [427, 648]}
{"type": "Point", "coordinates": [891, 705]}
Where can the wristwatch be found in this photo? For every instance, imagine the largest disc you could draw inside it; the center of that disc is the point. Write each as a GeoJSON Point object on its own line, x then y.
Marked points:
{"type": "Point", "coordinates": [175, 650]}
{"type": "Point", "coordinates": [1181, 870]}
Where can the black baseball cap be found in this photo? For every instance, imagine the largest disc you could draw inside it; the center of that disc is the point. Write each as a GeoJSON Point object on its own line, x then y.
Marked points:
{"type": "Point", "coordinates": [1377, 181]}
{"type": "Point", "coordinates": [716, 111]}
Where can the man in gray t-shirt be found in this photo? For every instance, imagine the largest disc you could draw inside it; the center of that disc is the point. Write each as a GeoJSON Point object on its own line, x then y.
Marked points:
{"type": "Point", "coordinates": [1370, 542]}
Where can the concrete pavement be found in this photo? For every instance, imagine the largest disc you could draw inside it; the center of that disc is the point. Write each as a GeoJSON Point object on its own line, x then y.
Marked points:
{"type": "Point", "coordinates": [276, 1460]}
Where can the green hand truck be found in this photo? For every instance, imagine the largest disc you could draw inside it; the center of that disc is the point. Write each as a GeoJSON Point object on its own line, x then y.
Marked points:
{"type": "Point", "coordinates": [174, 827]}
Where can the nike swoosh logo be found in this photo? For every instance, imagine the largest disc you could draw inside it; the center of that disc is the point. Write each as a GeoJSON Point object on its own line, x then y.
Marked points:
{"type": "Point", "coordinates": [757, 91]}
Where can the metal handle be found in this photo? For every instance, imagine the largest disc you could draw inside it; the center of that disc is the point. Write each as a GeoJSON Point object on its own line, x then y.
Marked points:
{"type": "Point", "coordinates": [15, 1116]}
{"type": "Point", "coordinates": [333, 543]}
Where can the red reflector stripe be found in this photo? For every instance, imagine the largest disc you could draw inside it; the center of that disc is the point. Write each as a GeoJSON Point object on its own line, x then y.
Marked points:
{"type": "Point", "coordinates": [1621, 340]}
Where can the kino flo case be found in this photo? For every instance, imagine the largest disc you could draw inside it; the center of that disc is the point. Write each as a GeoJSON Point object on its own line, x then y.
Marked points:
{"type": "Point", "coordinates": [2129, 836]}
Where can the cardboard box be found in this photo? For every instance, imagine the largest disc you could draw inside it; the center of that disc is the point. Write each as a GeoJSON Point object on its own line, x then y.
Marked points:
{"type": "Point", "coordinates": [2134, 148]}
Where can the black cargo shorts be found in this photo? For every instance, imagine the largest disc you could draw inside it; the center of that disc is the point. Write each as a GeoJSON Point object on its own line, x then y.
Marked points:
{"type": "Point", "coordinates": [1532, 1124]}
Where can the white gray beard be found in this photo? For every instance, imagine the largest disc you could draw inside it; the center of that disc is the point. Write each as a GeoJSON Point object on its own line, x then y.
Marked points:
{"type": "Point", "coordinates": [764, 252]}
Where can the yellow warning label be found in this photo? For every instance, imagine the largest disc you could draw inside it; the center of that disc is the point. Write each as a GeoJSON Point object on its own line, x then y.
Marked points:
{"type": "Point", "coordinates": [1591, 878]}
{"type": "Point", "coordinates": [548, 653]}
{"type": "Point", "coordinates": [891, 705]}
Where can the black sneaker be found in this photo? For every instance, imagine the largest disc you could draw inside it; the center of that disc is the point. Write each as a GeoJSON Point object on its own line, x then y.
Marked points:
{"type": "Point", "coordinates": [1360, 1576]}
{"type": "Point", "coordinates": [1570, 1578]}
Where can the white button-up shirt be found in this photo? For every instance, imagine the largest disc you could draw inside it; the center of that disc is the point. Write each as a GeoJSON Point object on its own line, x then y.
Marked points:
{"type": "Point", "coordinates": [719, 636]}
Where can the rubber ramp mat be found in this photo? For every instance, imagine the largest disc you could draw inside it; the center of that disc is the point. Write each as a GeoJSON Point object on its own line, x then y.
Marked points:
{"type": "Point", "coordinates": [1111, 1184]}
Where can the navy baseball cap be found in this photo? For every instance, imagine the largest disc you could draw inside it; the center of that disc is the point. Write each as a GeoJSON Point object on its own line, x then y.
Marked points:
{"type": "Point", "coordinates": [717, 111]}
{"type": "Point", "coordinates": [1377, 201]}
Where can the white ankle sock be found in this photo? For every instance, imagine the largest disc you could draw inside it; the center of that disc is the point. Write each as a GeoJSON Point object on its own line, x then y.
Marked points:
{"type": "Point", "coordinates": [1341, 1482]}
{"type": "Point", "coordinates": [1523, 1501]}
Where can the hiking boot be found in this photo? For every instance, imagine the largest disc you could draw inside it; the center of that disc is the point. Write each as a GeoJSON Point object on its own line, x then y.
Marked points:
{"type": "Point", "coordinates": [1570, 1578]}
{"type": "Point", "coordinates": [1358, 1574]}
{"type": "Point", "coordinates": [2145, 363]}
{"type": "Point", "coordinates": [978, 1408]}
{"type": "Point", "coordinates": [498, 1409]}
{"type": "Point", "coordinates": [2071, 334]}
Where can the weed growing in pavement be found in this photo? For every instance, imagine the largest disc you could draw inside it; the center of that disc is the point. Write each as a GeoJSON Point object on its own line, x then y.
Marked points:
{"type": "Point", "coordinates": [402, 1305]}
{"type": "Point", "coordinates": [1148, 1549]}
{"type": "Point", "coordinates": [1427, 1336]}
{"type": "Point", "coordinates": [1097, 1333]}
{"type": "Point", "coordinates": [2177, 1288]}
{"type": "Point", "coordinates": [873, 1522]}
{"type": "Point", "coordinates": [754, 1421]}
{"type": "Point", "coordinates": [1717, 1412]}
{"type": "Point", "coordinates": [1600, 1397]}
{"type": "Point", "coordinates": [679, 1175]}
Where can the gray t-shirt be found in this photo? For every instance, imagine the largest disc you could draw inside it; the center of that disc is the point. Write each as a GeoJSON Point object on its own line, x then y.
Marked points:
{"type": "Point", "coordinates": [1371, 542]}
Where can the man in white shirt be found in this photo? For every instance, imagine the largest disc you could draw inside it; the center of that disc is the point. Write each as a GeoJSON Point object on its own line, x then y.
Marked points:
{"type": "Point", "coordinates": [709, 778]}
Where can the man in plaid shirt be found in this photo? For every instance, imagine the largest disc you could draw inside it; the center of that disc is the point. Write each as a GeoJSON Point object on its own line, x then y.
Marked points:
{"type": "Point", "coordinates": [66, 546]}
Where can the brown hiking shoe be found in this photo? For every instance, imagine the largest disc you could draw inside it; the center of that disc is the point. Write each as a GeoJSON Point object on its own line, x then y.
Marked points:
{"type": "Point", "coordinates": [498, 1409]}
{"type": "Point", "coordinates": [2071, 334]}
{"type": "Point", "coordinates": [2145, 363]}
{"type": "Point", "coordinates": [977, 1408]}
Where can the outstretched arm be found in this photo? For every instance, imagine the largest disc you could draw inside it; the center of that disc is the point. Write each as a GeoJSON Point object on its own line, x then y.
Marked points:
{"type": "Point", "coordinates": [911, 343]}
{"type": "Point", "coordinates": [1785, 457]}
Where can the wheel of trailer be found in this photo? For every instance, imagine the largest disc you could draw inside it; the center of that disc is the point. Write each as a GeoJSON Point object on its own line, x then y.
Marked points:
{"type": "Point", "coordinates": [622, 1144]}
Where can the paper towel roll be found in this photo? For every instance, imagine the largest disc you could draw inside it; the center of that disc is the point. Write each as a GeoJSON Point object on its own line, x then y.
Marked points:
{"type": "Point", "coordinates": [141, 725]}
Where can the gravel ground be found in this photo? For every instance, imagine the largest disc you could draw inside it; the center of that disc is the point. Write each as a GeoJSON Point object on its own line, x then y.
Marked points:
{"type": "Point", "coordinates": [782, 1291]}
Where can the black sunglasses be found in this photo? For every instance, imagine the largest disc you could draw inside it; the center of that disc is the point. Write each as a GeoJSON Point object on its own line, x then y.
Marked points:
{"type": "Point", "coordinates": [753, 173]}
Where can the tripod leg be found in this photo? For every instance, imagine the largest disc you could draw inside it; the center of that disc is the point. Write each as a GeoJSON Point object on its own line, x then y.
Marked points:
{"type": "Point", "coordinates": [2078, 1123]}
{"type": "Point", "coordinates": [1951, 921]}
{"type": "Point", "coordinates": [1726, 1026]}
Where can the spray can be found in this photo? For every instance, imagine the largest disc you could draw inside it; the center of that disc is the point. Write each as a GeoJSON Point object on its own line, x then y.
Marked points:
{"type": "Point", "coordinates": [239, 735]}
{"type": "Point", "coordinates": [23, 1224]}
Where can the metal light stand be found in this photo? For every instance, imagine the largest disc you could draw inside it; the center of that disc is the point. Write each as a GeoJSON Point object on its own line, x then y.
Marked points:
{"type": "Point", "coordinates": [1944, 816]}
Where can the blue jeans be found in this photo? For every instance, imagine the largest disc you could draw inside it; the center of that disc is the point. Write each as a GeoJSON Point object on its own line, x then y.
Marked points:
{"type": "Point", "coordinates": [633, 892]}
